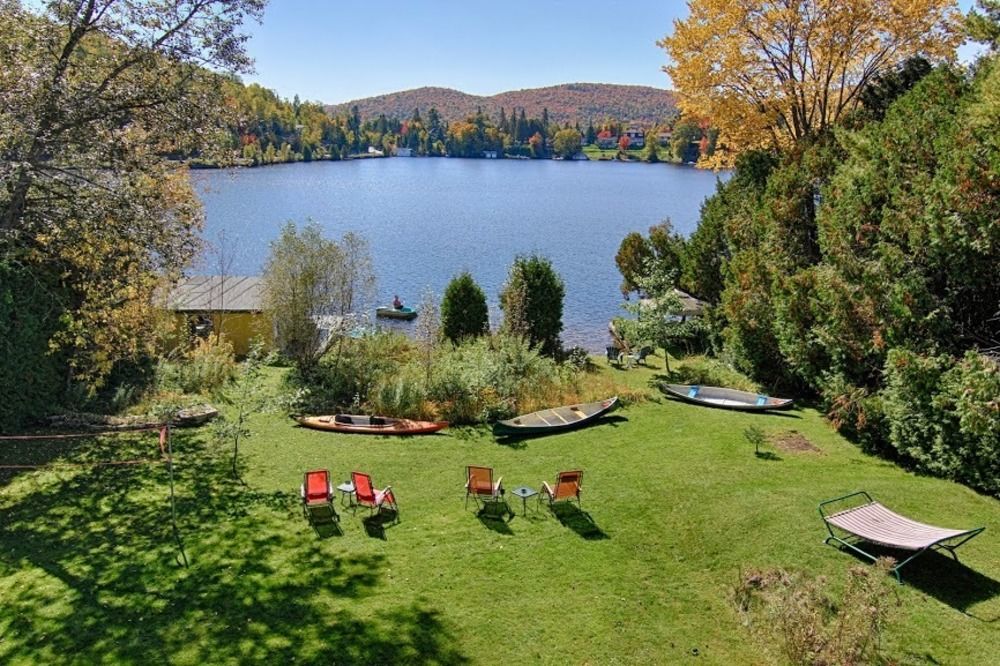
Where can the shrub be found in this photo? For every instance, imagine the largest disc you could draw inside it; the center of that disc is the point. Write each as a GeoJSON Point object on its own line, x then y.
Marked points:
{"type": "Point", "coordinates": [463, 309]}
{"type": "Point", "coordinates": [31, 381]}
{"type": "Point", "coordinates": [349, 375]}
{"type": "Point", "coordinates": [403, 396]}
{"type": "Point", "coordinates": [532, 302]}
{"type": "Point", "coordinates": [944, 415]}
{"type": "Point", "coordinates": [711, 372]}
{"type": "Point", "coordinates": [491, 378]}
{"type": "Point", "coordinates": [205, 368]}
{"type": "Point", "coordinates": [809, 626]}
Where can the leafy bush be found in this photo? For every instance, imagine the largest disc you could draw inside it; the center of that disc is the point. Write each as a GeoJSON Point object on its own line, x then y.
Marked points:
{"type": "Point", "coordinates": [403, 395]}
{"type": "Point", "coordinates": [350, 371]}
{"type": "Point", "coordinates": [31, 379]}
{"type": "Point", "coordinates": [487, 379]}
{"type": "Point", "coordinates": [205, 368]}
{"type": "Point", "coordinates": [808, 625]}
{"type": "Point", "coordinates": [712, 372]}
{"type": "Point", "coordinates": [944, 415]}
{"type": "Point", "coordinates": [463, 309]}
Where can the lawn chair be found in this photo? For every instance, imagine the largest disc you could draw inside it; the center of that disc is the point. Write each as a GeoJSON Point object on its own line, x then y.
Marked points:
{"type": "Point", "coordinates": [874, 523]}
{"type": "Point", "coordinates": [614, 355]}
{"type": "Point", "coordinates": [480, 483]}
{"type": "Point", "coordinates": [639, 357]}
{"type": "Point", "coordinates": [568, 486]}
{"type": "Point", "coordinates": [317, 496]}
{"type": "Point", "coordinates": [366, 494]}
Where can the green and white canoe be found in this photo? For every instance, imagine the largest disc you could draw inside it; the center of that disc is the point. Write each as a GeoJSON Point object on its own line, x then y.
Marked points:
{"type": "Point", "coordinates": [726, 398]}
{"type": "Point", "coordinates": [553, 420]}
{"type": "Point", "coordinates": [387, 312]}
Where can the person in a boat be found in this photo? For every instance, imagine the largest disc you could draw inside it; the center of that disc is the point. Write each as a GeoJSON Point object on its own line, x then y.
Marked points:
{"type": "Point", "coordinates": [396, 303]}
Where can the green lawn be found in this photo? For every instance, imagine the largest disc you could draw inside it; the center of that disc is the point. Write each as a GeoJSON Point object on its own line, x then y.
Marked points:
{"type": "Point", "coordinates": [675, 504]}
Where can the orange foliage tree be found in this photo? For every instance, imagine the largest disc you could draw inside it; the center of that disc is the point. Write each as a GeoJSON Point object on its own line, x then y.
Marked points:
{"type": "Point", "coordinates": [770, 72]}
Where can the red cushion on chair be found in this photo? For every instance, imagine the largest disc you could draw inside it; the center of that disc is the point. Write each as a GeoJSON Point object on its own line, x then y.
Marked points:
{"type": "Point", "coordinates": [363, 490]}
{"type": "Point", "coordinates": [317, 486]}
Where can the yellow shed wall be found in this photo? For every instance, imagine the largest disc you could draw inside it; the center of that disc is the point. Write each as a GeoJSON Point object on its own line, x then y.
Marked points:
{"type": "Point", "coordinates": [239, 328]}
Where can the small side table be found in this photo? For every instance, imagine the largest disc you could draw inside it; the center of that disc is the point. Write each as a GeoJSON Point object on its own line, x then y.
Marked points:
{"type": "Point", "coordinates": [346, 490]}
{"type": "Point", "coordinates": [524, 492]}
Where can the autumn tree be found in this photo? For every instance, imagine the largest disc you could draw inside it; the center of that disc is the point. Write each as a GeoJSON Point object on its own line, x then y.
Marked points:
{"type": "Point", "coordinates": [567, 142]}
{"type": "Point", "coordinates": [94, 95]}
{"type": "Point", "coordinates": [309, 276]}
{"type": "Point", "coordinates": [770, 73]}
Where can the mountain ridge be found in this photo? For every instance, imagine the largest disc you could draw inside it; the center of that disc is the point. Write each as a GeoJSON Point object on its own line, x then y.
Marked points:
{"type": "Point", "coordinates": [567, 102]}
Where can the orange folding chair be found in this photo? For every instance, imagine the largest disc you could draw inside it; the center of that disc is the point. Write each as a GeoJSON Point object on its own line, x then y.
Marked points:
{"type": "Point", "coordinates": [317, 496]}
{"type": "Point", "coordinates": [479, 483]}
{"type": "Point", "coordinates": [568, 486]}
{"type": "Point", "coordinates": [366, 494]}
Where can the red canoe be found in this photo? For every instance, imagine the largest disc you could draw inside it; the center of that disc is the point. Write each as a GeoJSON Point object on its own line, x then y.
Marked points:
{"type": "Point", "coordinates": [370, 425]}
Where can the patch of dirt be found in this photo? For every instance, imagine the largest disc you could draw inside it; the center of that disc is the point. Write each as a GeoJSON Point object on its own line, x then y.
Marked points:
{"type": "Point", "coordinates": [792, 441]}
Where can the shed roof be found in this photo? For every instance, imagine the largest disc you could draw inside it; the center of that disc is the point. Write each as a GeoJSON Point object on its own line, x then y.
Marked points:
{"type": "Point", "coordinates": [690, 306]}
{"type": "Point", "coordinates": [230, 293]}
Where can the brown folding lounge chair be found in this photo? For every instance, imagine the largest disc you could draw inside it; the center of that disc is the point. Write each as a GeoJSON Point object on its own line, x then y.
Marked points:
{"type": "Point", "coordinates": [368, 495]}
{"type": "Point", "coordinates": [479, 483]}
{"type": "Point", "coordinates": [568, 487]}
{"type": "Point", "coordinates": [874, 523]}
{"type": "Point", "coordinates": [317, 496]}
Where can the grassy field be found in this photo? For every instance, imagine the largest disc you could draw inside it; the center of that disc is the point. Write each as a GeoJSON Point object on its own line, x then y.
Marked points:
{"type": "Point", "coordinates": [675, 502]}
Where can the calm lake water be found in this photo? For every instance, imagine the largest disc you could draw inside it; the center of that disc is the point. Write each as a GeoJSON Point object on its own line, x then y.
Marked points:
{"type": "Point", "coordinates": [427, 219]}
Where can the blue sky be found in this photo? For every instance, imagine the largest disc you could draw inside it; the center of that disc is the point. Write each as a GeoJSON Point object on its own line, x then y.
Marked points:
{"type": "Point", "coordinates": [338, 51]}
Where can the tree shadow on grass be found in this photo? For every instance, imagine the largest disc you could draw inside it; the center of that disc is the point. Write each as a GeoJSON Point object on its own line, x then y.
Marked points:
{"type": "Point", "coordinates": [939, 576]}
{"type": "Point", "coordinates": [87, 569]}
{"type": "Point", "coordinates": [578, 520]}
{"type": "Point", "coordinates": [767, 455]}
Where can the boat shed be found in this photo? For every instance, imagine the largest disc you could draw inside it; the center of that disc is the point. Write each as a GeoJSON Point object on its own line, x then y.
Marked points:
{"type": "Point", "coordinates": [228, 304]}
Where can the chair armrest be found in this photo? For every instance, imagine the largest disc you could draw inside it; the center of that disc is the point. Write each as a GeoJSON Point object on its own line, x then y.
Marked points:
{"type": "Point", "coordinates": [547, 489]}
{"type": "Point", "coordinates": [302, 492]}
{"type": "Point", "coordinates": [498, 485]}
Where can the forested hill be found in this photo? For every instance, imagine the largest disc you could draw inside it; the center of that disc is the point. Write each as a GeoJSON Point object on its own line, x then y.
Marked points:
{"type": "Point", "coordinates": [569, 102]}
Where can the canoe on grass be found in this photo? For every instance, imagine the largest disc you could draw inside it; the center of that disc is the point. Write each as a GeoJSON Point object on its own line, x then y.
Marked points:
{"type": "Point", "coordinates": [555, 420]}
{"type": "Point", "coordinates": [726, 398]}
{"type": "Point", "coordinates": [370, 425]}
{"type": "Point", "coordinates": [396, 313]}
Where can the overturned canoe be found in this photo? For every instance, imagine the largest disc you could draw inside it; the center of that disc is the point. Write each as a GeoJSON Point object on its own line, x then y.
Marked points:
{"type": "Point", "coordinates": [726, 398]}
{"type": "Point", "coordinates": [396, 313]}
{"type": "Point", "coordinates": [557, 419]}
{"type": "Point", "coordinates": [370, 425]}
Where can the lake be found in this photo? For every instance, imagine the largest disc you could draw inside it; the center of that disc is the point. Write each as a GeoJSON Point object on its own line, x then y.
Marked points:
{"type": "Point", "coordinates": [427, 219]}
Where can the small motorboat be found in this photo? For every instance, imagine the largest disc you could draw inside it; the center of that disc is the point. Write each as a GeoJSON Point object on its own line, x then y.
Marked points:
{"type": "Point", "coordinates": [554, 420]}
{"type": "Point", "coordinates": [389, 312]}
{"type": "Point", "coordinates": [726, 398]}
{"type": "Point", "coordinates": [370, 425]}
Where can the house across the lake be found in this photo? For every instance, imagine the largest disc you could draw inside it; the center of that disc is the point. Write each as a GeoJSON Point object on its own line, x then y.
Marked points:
{"type": "Point", "coordinates": [229, 304]}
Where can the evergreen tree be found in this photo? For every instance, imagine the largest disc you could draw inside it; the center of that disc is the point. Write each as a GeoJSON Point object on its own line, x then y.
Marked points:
{"type": "Point", "coordinates": [463, 309]}
{"type": "Point", "coordinates": [534, 295]}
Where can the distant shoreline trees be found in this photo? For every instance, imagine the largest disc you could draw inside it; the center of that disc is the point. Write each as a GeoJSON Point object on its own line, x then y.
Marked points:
{"type": "Point", "coordinates": [266, 129]}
